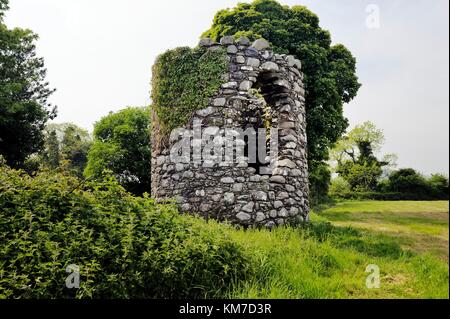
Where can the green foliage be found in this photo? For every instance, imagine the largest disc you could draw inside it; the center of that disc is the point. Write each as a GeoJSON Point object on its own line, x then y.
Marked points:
{"type": "Point", "coordinates": [75, 146]}
{"type": "Point", "coordinates": [407, 181]}
{"type": "Point", "coordinates": [361, 176]}
{"type": "Point", "coordinates": [183, 81]}
{"type": "Point", "coordinates": [64, 145]}
{"type": "Point", "coordinates": [367, 133]}
{"type": "Point", "coordinates": [122, 145]}
{"type": "Point", "coordinates": [3, 7]}
{"type": "Point", "coordinates": [379, 196]}
{"type": "Point", "coordinates": [319, 181]}
{"type": "Point", "coordinates": [413, 185]}
{"type": "Point", "coordinates": [125, 246]}
{"type": "Point", "coordinates": [405, 184]}
{"type": "Point", "coordinates": [339, 188]}
{"type": "Point", "coordinates": [24, 107]}
{"type": "Point", "coordinates": [132, 247]}
{"type": "Point", "coordinates": [359, 145]}
{"type": "Point", "coordinates": [356, 162]}
{"type": "Point", "coordinates": [51, 156]}
{"type": "Point", "coordinates": [355, 159]}
{"type": "Point", "coordinates": [328, 262]}
{"type": "Point", "coordinates": [330, 71]}
{"type": "Point", "coordinates": [439, 186]}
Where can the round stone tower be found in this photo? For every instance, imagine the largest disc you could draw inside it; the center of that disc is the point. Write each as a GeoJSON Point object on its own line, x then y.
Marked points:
{"type": "Point", "coordinates": [263, 95]}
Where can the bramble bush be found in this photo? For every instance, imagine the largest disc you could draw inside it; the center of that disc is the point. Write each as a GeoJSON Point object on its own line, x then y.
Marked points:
{"type": "Point", "coordinates": [125, 246]}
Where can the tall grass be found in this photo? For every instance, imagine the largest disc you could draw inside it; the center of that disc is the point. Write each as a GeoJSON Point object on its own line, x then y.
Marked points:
{"type": "Point", "coordinates": [322, 262]}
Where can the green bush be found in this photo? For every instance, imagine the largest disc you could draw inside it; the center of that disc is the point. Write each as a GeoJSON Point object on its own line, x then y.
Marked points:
{"type": "Point", "coordinates": [408, 181]}
{"type": "Point", "coordinates": [340, 188]}
{"type": "Point", "coordinates": [126, 247]}
{"type": "Point", "coordinates": [385, 196]}
{"type": "Point", "coordinates": [370, 196]}
{"type": "Point", "coordinates": [439, 186]}
{"type": "Point", "coordinates": [361, 176]}
{"type": "Point", "coordinates": [405, 184]}
{"type": "Point", "coordinates": [415, 186]}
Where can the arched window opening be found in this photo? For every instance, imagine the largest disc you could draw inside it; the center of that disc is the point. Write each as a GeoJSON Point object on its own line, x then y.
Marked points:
{"type": "Point", "coordinates": [269, 90]}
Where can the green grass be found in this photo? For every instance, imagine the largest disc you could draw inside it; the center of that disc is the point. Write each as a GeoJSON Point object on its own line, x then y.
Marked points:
{"type": "Point", "coordinates": [329, 258]}
{"type": "Point", "coordinates": [421, 227]}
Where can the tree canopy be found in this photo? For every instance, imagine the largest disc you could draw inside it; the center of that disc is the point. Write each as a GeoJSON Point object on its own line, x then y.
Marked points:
{"type": "Point", "coordinates": [417, 186]}
{"type": "Point", "coordinates": [356, 159]}
{"type": "Point", "coordinates": [24, 93]}
{"type": "Point", "coordinates": [330, 70]}
{"type": "Point", "coordinates": [359, 144]}
{"type": "Point", "coordinates": [3, 7]}
{"type": "Point", "coordinates": [122, 145]}
{"type": "Point", "coordinates": [68, 143]}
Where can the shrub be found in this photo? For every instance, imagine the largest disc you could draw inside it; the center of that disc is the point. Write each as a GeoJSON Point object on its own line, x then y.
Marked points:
{"type": "Point", "coordinates": [361, 176]}
{"type": "Point", "coordinates": [405, 184]}
{"type": "Point", "coordinates": [439, 186]}
{"type": "Point", "coordinates": [126, 247]}
{"type": "Point", "coordinates": [340, 188]}
{"type": "Point", "coordinates": [413, 185]}
{"type": "Point", "coordinates": [408, 181]}
{"type": "Point", "coordinates": [387, 196]}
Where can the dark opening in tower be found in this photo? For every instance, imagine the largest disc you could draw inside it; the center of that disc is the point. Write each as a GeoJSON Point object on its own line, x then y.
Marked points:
{"type": "Point", "coordinates": [270, 91]}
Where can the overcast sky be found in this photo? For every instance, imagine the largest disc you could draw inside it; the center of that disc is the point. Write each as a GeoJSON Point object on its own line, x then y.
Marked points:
{"type": "Point", "coordinates": [99, 55]}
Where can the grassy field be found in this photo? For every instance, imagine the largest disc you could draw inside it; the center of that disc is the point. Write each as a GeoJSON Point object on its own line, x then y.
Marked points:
{"type": "Point", "coordinates": [421, 227]}
{"type": "Point", "coordinates": [408, 241]}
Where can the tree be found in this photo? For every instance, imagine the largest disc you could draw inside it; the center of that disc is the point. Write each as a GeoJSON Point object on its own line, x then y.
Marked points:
{"type": "Point", "coordinates": [359, 144]}
{"type": "Point", "coordinates": [330, 71]}
{"type": "Point", "coordinates": [51, 156]}
{"type": "Point", "coordinates": [65, 142]}
{"type": "Point", "coordinates": [408, 181]}
{"type": "Point", "coordinates": [3, 7]}
{"type": "Point", "coordinates": [319, 180]}
{"type": "Point", "coordinates": [339, 188]}
{"type": "Point", "coordinates": [439, 186]}
{"type": "Point", "coordinates": [122, 145]}
{"type": "Point", "coordinates": [24, 106]}
{"type": "Point", "coordinates": [410, 184]}
{"type": "Point", "coordinates": [75, 146]}
{"type": "Point", "coordinates": [361, 176]}
{"type": "Point", "coordinates": [355, 157]}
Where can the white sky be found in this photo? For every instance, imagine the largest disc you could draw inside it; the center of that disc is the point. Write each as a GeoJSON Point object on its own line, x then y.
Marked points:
{"type": "Point", "coordinates": [99, 55]}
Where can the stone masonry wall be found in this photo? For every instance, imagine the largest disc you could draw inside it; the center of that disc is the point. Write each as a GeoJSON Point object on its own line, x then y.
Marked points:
{"type": "Point", "coordinates": [241, 193]}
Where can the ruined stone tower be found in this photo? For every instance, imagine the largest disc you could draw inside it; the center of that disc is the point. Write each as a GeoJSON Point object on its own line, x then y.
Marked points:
{"type": "Point", "coordinates": [261, 89]}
